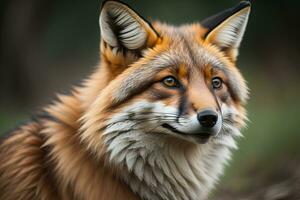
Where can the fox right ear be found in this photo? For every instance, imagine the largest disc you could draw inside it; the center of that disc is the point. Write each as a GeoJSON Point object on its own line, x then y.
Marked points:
{"type": "Point", "coordinates": [226, 29]}
{"type": "Point", "coordinates": [122, 29]}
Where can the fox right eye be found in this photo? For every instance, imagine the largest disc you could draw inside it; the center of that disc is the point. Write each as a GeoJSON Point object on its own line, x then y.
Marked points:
{"type": "Point", "coordinates": [217, 83]}
{"type": "Point", "coordinates": [170, 82]}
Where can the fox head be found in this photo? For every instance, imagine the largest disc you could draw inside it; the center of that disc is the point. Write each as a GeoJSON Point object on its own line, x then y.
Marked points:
{"type": "Point", "coordinates": [163, 85]}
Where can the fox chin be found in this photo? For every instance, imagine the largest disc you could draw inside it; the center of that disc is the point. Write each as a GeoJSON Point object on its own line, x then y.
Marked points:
{"type": "Point", "coordinates": [157, 119]}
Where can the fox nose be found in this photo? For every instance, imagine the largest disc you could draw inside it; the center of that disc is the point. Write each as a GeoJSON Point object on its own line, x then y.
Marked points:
{"type": "Point", "coordinates": [207, 118]}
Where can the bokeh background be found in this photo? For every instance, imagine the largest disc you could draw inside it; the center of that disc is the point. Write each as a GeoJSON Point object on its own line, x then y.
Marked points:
{"type": "Point", "coordinates": [48, 45]}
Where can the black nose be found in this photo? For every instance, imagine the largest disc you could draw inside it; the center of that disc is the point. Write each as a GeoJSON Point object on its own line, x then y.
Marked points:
{"type": "Point", "coordinates": [207, 118]}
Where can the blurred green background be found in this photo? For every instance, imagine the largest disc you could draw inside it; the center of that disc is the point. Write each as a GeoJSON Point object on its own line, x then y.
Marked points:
{"type": "Point", "coordinates": [48, 45]}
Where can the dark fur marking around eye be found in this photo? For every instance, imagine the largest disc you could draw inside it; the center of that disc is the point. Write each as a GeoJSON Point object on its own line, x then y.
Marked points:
{"type": "Point", "coordinates": [212, 90]}
{"type": "Point", "coordinates": [182, 102]}
{"type": "Point", "coordinates": [232, 87]}
{"type": "Point", "coordinates": [159, 95]}
{"type": "Point", "coordinates": [225, 97]}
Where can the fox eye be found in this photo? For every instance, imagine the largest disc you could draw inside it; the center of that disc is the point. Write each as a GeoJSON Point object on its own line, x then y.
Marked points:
{"type": "Point", "coordinates": [170, 82]}
{"type": "Point", "coordinates": [217, 83]}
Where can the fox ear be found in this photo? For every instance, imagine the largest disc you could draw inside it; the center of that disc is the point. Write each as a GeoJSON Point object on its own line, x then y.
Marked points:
{"type": "Point", "coordinates": [226, 29]}
{"type": "Point", "coordinates": [122, 29]}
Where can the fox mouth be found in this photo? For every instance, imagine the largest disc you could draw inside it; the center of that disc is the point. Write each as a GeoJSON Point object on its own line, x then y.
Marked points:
{"type": "Point", "coordinates": [201, 137]}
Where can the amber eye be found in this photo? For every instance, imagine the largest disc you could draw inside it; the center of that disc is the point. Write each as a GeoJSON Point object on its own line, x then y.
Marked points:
{"type": "Point", "coordinates": [217, 83]}
{"type": "Point", "coordinates": [170, 81]}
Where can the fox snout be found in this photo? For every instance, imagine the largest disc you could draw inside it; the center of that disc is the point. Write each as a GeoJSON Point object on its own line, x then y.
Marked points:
{"type": "Point", "coordinates": [207, 118]}
{"type": "Point", "coordinates": [198, 127]}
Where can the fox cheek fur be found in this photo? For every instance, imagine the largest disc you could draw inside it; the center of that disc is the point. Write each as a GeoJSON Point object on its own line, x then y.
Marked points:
{"type": "Point", "coordinates": [157, 120]}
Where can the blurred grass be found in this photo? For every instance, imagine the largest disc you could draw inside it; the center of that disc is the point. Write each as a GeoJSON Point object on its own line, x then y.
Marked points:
{"type": "Point", "coordinates": [11, 120]}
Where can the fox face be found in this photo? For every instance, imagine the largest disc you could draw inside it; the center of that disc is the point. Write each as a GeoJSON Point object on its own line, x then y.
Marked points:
{"type": "Point", "coordinates": [167, 91]}
{"type": "Point", "coordinates": [181, 81]}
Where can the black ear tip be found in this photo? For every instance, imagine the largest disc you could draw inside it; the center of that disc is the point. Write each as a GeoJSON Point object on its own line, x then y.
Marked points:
{"type": "Point", "coordinates": [213, 21]}
{"type": "Point", "coordinates": [104, 2]}
{"type": "Point", "coordinates": [244, 4]}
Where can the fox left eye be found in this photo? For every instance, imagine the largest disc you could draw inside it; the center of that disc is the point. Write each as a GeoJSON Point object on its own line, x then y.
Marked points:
{"type": "Point", "coordinates": [217, 83]}
{"type": "Point", "coordinates": [170, 82]}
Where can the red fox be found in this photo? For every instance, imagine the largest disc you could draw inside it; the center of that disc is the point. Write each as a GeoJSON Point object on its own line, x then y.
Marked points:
{"type": "Point", "coordinates": [156, 120]}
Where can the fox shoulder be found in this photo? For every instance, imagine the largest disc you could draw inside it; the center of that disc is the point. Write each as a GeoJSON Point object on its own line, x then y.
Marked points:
{"type": "Point", "coordinates": [22, 169]}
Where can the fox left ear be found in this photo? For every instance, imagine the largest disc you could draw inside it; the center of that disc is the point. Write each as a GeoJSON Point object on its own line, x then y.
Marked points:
{"type": "Point", "coordinates": [226, 29]}
{"type": "Point", "coordinates": [124, 32]}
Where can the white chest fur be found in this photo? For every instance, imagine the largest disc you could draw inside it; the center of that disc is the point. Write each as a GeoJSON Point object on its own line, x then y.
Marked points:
{"type": "Point", "coordinates": [159, 169]}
